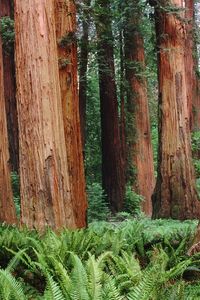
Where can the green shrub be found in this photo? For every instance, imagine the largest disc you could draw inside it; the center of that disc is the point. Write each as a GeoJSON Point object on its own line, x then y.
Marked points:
{"type": "Point", "coordinates": [16, 191]}
{"type": "Point", "coordinates": [97, 206]}
{"type": "Point", "coordinates": [133, 202]}
{"type": "Point", "coordinates": [7, 34]}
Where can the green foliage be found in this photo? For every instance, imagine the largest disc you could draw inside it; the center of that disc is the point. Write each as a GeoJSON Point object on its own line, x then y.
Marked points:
{"type": "Point", "coordinates": [7, 34]}
{"type": "Point", "coordinates": [93, 127]}
{"type": "Point", "coordinates": [99, 263]}
{"type": "Point", "coordinates": [133, 201]}
{"type": "Point", "coordinates": [67, 40]}
{"type": "Point", "coordinates": [195, 141]}
{"type": "Point", "coordinates": [97, 206]}
{"type": "Point", "coordinates": [16, 192]}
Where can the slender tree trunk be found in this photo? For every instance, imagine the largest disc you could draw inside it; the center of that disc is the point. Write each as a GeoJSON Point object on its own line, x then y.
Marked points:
{"type": "Point", "coordinates": [189, 59]}
{"type": "Point", "coordinates": [84, 52]}
{"type": "Point", "coordinates": [112, 164]}
{"type": "Point", "coordinates": [140, 152]}
{"type": "Point", "coordinates": [7, 207]}
{"type": "Point", "coordinates": [191, 51]}
{"type": "Point", "coordinates": [65, 15]}
{"type": "Point", "coordinates": [191, 66]}
{"type": "Point", "coordinates": [46, 198]}
{"type": "Point", "coordinates": [122, 102]}
{"type": "Point", "coordinates": [175, 195]}
{"type": "Point", "coordinates": [9, 93]}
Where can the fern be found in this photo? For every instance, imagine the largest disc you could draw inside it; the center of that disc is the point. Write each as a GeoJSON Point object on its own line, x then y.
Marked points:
{"type": "Point", "coordinates": [94, 278]}
{"type": "Point", "coordinates": [10, 286]}
{"type": "Point", "coordinates": [53, 291]}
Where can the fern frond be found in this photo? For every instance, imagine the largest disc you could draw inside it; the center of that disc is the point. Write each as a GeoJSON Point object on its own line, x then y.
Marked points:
{"type": "Point", "coordinates": [12, 284]}
{"type": "Point", "coordinates": [94, 279]}
{"type": "Point", "coordinates": [53, 291]}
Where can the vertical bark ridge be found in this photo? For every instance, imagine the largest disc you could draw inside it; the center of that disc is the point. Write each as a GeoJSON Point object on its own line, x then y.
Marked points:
{"type": "Point", "coordinates": [7, 207]}
{"type": "Point", "coordinates": [65, 15]}
{"type": "Point", "coordinates": [44, 175]}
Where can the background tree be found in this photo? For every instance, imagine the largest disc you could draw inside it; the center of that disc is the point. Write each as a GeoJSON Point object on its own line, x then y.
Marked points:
{"type": "Point", "coordinates": [7, 207]}
{"type": "Point", "coordinates": [175, 194]}
{"type": "Point", "coordinates": [65, 15]}
{"type": "Point", "coordinates": [6, 15]}
{"type": "Point", "coordinates": [112, 165]}
{"type": "Point", "coordinates": [83, 66]}
{"type": "Point", "coordinates": [139, 145]}
{"type": "Point", "coordinates": [44, 175]}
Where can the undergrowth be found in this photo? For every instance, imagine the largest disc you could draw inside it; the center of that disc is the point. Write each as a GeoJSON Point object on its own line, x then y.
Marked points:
{"type": "Point", "coordinates": [135, 259]}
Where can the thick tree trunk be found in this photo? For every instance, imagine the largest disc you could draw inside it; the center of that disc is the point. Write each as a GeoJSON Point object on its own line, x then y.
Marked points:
{"type": "Point", "coordinates": [140, 152]}
{"type": "Point", "coordinates": [65, 15]}
{"type": "Point", "coordinates": [112, 164]}
{"type": "Point", "coordinates": [7, 207]}
{"type": "Point", "coordinates": [46, 198]}
{"type": "Point", "coordinates": [10, 94]}
{"type": "Point", "coordinates": [84, 52]}
{"type": "Point", "coordinates": [175, 195]}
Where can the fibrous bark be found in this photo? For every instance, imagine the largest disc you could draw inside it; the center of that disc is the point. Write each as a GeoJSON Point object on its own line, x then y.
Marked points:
{"type": "Point", "coordinates": [65, 15]}
{"type": "Point", "coordinates": [112, 164]}
{"type": "Point", "coordinates": [10, 93]}
{"type": "Point", "coordinates": [44, 175]}
{"type": "Point", "coordinates": [140, 153]}
{"type": "Point", "coordinates": [7, 207]}
{"type": "Point", "coordinates": [175, 195]}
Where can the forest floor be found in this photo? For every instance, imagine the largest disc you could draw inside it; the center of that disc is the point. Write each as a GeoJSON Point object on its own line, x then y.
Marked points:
{"type": "Point", "coordinates": [133, 259]}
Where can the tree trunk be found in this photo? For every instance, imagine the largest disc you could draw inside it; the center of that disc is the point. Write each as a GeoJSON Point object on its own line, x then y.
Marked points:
{"type": "Point", "coordinates": [10, 94]}
{"type": "Point", "coordinates": [112, 164]}
{"type": "Point", "coordinates": [191, 67]}
{"type": "Point", "coordinates": [7, 207]}
{"type": "Point", "coordinates": [65, 15]}
{"type": "Point", "coordinates": [46, 198]}
{"type": "Point", "coordinates": [84, 52]}
{"type": "Point", "coordinates": [122, 102]}
{"type": "Point", "coordinates": [192, 52]}
{"type": "Point", "coordinates": [175, 194]}
{"type": "Point", "coordinates": [140, 152]}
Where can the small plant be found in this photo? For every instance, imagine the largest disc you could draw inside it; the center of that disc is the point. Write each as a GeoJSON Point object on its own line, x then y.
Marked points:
{"type": "Point", "coordinates": [67, 40]}
{"type": "Point", "coordinates": [7, 34]}
{"type": "Point", "coordinates": [98, 208]}
{"type": "Point", "coordinates": [16, 192]}
{"type": "Point", "coordinates": [133, 202]}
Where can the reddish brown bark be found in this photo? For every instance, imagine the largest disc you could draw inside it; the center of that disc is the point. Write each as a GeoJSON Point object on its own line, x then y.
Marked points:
{"type": "Point", "coordinates": [175, 195]}
{"type": "Point", "coordinates": [189, 61]}
{"type": "Point", "coordinates": [112, 164]}
{"type": "Point", "coordinates": [191, 66]}
{"type": "Point", "coordinates": [10, 92]}
{"type": "Point", "coordinates": [139, 148]}
{"type": "Point", "coordinates": [7, 207]}
{"type": "Point", "coordinates": [84, 52]}
{"type": "Point", "coordinates": [44, 175]}
{"type": "Point", "coordinates": [65, 15]}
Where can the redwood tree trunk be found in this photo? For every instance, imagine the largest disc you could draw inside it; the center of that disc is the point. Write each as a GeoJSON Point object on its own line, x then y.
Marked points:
{"type": "Point", "coordinates": [65, 15]}
{"type": "Point", "coordinates": [10, 94]}
{"type": "Point", "coordinates": [84, 52]}
{"type": "Point", "coordinates": [192, 65]}
{"type": "Point", "coordinates": [140, 152]}
{"type": "Point", "coordinates": [112, 164]}
{"type": "Point", "coordinates": [7, 207]}
{"type": "Point", "coordinates": [175, 195]}
{"type": "Point", "coordinates": [46, 198]}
